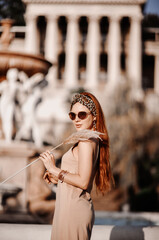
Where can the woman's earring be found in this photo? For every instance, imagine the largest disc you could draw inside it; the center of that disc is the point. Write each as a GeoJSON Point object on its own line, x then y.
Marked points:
{"type": "Point", "coordinates": [94, 125]}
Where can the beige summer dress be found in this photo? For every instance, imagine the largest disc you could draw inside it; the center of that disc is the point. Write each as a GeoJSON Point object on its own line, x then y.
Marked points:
{"type": "Point", "coordinates": [74, 213]}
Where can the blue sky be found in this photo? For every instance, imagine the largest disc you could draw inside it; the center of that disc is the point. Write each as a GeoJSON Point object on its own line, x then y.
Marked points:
{"type": "Point", "coordinates": [152, 7]}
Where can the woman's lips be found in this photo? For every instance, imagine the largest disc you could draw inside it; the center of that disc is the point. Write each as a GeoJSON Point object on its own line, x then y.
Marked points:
{"type": "Point", "coordinates": [78, 125]}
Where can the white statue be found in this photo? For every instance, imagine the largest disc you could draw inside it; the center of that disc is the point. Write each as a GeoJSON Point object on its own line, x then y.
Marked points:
{"type": "Point", "coordinates": [34, 94]}
{"type": "Point", "coordinates": [43, 116]}
{"type": "Point", "coordinates": [8, 90]}
{"type": "Point", "coordinates": [50, 121]}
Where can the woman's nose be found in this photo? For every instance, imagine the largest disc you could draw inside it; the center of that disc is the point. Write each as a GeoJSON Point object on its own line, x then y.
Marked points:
{"type": "Point", "coordinates": [77, 118]}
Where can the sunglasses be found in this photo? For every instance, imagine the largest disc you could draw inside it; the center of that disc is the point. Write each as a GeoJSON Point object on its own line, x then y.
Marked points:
{"type": "Point", "coordinates": [81, 115]}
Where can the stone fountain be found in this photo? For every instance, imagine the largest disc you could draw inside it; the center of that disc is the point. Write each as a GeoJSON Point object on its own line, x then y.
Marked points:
{"type": "Point", "coordinates": [15, 155]}
{"type": "Point", "coordinates": [28, 63]}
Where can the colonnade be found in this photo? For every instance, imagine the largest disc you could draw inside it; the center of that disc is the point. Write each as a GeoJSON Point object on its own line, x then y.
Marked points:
{"type": "Point", "coordinates": [133, 66]}
{"type": "Point", "coordinates": [152, 49]}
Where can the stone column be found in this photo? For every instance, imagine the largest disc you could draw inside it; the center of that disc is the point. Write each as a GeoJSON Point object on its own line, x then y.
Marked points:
{"type": "Point", "coordinates": [114, 50]}
{"type": "Point", "coordinates": [71, 65]}
{"type": "Point", "coordinates": [32, 36]}
{"type": "Point", "coordinates": [93, 50]}
{"type": "Point", "coordinates": [51, 46]}
{"type": "Point", "coordinates": [156, 75]}
{"type": "Point", "coordinates": [134, 52]}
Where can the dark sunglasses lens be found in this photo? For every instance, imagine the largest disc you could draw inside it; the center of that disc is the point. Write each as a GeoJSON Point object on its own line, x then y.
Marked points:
{"type": "Point", "coordinates": [82, 115]}
{"type": "Point", "coordinates": [72, 115]}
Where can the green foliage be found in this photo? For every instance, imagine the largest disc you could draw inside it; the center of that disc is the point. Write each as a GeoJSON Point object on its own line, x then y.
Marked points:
{"type": "Point", "coordinates": [151, 21]}
{"type": "Point", "coordinates": [134, 129]}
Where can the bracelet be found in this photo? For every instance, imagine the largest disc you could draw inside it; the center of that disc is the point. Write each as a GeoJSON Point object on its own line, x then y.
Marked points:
{"type": "Point", "coordinates": [62, 175]}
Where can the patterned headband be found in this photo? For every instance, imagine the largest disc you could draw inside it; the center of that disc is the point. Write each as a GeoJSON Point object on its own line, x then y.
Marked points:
{"type": "Point", "coordinates": [86, 101]}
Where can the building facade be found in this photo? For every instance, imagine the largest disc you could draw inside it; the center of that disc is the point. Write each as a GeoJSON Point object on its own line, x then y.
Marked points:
{"type": "Point", "coordinates": [91, 43]}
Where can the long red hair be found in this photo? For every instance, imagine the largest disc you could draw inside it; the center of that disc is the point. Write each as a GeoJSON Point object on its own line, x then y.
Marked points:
{"type": "Point", "coordinates": [103, 177]}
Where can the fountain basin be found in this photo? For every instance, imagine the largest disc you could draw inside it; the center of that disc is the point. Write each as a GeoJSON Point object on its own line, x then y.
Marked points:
{"type": "Point", "coordinates": [28, 63]}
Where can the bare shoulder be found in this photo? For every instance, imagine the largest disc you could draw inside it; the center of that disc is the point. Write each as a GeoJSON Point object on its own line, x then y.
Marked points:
{"type": "Point", "coordinates": [89, 144]}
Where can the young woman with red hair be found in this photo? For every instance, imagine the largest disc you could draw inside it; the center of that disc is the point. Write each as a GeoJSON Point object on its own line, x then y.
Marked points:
{"type": "Point", "coordinates": [85, 162]}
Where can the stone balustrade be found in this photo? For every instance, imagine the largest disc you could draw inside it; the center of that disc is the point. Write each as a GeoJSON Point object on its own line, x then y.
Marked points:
{"type": "Point", "coordinates": [100, 232]}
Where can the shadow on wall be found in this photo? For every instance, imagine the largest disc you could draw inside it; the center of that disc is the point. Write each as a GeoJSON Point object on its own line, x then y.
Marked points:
{"type": "Point", "coordinates": [126, 233]}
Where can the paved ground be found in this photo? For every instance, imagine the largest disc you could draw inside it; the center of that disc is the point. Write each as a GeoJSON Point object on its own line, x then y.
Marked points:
{"type": "Point", "coordinates": [108, 226]}
{"type": "Point", "coordinates": [100, 232]}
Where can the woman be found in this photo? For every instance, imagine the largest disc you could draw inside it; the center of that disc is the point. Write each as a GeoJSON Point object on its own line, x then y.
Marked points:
{"type": "Point", "coordinates": [84, 162]}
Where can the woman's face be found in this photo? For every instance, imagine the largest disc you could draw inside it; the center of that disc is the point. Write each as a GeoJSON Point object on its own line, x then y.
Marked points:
{"type": "Point", "coordinates": [86, 123]}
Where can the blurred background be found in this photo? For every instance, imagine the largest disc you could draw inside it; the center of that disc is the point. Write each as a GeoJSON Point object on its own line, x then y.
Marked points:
{"type": "Point", "coordinates": [48, 51]}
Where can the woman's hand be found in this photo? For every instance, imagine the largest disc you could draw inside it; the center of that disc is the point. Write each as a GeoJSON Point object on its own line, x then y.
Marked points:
{"type": "Point", "coordinates": [48, 160]}
{"type": "Point", "coordinates": [50, 178]}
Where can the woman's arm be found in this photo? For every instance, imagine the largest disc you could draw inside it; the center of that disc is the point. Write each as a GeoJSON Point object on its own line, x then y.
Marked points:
{"type": "Point", "coordinates": [86, 155]}
{"type": "Point", "coordinates": [49, 178]}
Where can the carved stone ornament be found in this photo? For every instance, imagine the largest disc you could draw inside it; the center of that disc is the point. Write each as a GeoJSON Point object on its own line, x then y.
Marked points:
{"type": "Point", "coordinates": [86, 1]}
{"type": "Point", "coordinates": [6, 36]}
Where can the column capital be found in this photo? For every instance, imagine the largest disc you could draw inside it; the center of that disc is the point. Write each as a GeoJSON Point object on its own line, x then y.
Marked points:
{"type": "Point", "coordinates": [136, 18]}
{"type": "Point", "coordinates": [31, 17]}
{"type": "Point", "coordinates": [94, 18]}
{"type": "Point", "coordinates": [51, 17]}
{"type": "Point", "coordinates": [115, 18]}
{"type": "Point", "coordinates": [73, 18]}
